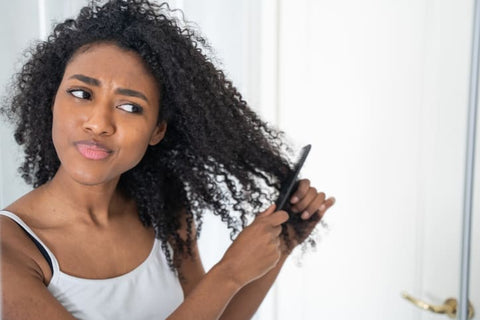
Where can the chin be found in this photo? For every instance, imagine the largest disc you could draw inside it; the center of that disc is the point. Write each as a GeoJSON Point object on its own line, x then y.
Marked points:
{"type": "Point", "coordinates": [90, 177]}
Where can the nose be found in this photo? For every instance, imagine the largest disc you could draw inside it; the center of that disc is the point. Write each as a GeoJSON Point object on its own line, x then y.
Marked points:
{"type": "Point", "coordinates": [100, 121]}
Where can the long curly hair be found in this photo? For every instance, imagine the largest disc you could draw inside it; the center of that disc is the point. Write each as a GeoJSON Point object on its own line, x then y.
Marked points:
{"type": "Point", "coordinates": [217, 154]}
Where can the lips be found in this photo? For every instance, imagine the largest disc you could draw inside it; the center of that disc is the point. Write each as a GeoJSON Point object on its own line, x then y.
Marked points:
{"type": "Point", "coordinates": [92, 150]}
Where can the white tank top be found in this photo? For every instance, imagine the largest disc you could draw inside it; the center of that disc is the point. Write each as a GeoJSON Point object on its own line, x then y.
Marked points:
{"type": "Point", "coordinates": [150, 291]}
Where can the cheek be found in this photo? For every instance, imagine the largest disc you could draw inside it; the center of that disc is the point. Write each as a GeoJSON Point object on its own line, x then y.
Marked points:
{"type": "Point", "coordinates": [135, 143]}
{"type": "Point", "coordinates": [57, 130]}
{"type": "Point", "coordinates": [61, 125]}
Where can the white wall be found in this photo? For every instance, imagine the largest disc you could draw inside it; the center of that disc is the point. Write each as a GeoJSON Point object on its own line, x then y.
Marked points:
{"type": "Point", "coordinates": [19, 27]}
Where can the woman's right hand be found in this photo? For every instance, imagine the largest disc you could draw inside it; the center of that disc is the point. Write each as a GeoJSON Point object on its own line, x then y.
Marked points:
{"type": "Point", "coordinates": [257, 249]}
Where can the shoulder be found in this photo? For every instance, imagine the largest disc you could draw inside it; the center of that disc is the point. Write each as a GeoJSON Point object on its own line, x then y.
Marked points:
{"type": "Point", "coordinates": [25, 205]}
{"type": "Point", "coordinates": [17, 249]}
{"type": "Point", "coordinates": [24, 277]}
{"type": "Point", "coordinates": [19, 253]}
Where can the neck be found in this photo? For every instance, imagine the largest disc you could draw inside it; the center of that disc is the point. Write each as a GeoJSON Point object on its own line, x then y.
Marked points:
{"type": "Point", "coordinates": [93, 204]}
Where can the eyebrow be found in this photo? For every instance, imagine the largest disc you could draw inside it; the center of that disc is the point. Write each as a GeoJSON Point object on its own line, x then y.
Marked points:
{"type": "Point", "coordinates": [87, 80]}
{"type": "Point", "coordinates": [95, 82]}
{"type": "Point", "coordinates": [131, 93]}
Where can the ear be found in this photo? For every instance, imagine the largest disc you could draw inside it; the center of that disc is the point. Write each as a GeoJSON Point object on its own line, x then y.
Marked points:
{"type": "Point", "coordinates": [158, 133]}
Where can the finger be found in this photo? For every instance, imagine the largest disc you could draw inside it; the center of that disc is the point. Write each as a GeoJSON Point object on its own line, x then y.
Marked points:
{"type": "Point", "coordinates": [304, 202]}
{"type": "Point", "coordinates": [277, 230]}
{"type": "Point", "coordinates": [327, 204]}
{"type": "Point", "coordinates": [278, 217]}
{"type": "Point", "coordinates": [268, 211]}
{"type": "Point", "coordinates": [317, 205]}
{"type": "Point", "coordinates": [302, 189]}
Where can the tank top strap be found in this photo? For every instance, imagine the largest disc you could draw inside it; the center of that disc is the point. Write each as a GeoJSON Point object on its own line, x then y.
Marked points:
{"type": "Point", "coordinates": [48, 255]}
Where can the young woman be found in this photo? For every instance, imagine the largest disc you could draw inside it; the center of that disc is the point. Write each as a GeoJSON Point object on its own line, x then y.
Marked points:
{"type": "Point", "coordinates": [129, 134]}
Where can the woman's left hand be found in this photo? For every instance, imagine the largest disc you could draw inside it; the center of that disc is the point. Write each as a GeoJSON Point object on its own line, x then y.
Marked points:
{"type": "Point", "coordinates": [307, 202]}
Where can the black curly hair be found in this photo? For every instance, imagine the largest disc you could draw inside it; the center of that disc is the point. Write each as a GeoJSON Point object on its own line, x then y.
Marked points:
{"type": "Point", "coordinates": [216, 155]}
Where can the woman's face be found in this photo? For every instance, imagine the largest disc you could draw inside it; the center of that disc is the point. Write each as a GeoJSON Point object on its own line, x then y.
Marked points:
{"type": "Point", "coordinates": [105, 113]}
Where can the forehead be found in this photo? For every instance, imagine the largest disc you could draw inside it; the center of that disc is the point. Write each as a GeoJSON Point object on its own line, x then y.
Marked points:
{"type": "Point", "coordinates": [112, 65]}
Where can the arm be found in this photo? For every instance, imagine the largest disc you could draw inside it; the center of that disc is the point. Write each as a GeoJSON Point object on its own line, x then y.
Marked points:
{"type": "Point", "coordinates": [209, 297]}
{"type": "Point", "coordinates": [24, 294]}
{"type": "Point", "coordinates": [253, 254]}
{"type": "Point", "coordinates": [248, 299]}
{"type": "Point", "coordinates": [245, 302]}
{"type": "Point", "coordinates": [230, 300]}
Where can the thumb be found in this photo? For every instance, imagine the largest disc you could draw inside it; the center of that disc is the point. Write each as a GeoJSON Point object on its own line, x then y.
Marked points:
{"type": "Point", "coordinates": [268, 211]}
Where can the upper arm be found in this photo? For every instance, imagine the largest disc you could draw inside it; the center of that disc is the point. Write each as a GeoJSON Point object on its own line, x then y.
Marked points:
{"type": "Point", "coordinates": [191, 268]}
{"type": "Point", "coordinates": [24, 293]}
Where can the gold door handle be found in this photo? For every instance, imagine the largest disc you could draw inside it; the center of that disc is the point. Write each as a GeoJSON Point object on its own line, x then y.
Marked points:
{"type": "Point", "coordinates": [449, 307]}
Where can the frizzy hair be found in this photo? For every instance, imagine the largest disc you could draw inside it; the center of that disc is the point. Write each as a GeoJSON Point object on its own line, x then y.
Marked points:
{"type": "Point", "coordinates": [216, 155]}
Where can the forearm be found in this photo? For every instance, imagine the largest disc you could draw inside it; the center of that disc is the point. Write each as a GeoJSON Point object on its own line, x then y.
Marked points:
{"type": "Point", "coordinates": [228, 289]}
{"type": "Point", "coordinates": [209, 298]}
{"type": "Point", "coordinates": [246, 302]}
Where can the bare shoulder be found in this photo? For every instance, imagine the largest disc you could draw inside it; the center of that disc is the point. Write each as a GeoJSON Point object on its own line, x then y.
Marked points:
{"type": "Point", "coordinates": [17, 248]}
{"type": "Point", "coordinates": [24, 289]}
{"type": "Point", "coordinates": [25, 273]}
{"type": "Point", "coordinates": [19, 252]}
{"type": "Point", "coordinates": [24, 206]}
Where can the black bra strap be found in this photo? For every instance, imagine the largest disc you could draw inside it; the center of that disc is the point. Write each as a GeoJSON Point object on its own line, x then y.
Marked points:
{"type": "Point", "coordinates": [40, 248]}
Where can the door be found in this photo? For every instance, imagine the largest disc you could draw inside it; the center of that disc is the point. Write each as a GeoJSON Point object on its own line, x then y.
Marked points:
{"type": "Point", "coordinates": [380, 89]}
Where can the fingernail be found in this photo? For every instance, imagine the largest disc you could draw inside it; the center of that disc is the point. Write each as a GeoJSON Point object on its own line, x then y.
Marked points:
{"type": "Point", "coordinates": [294, 199]}
{"type": "Point", "coordinates": [305, 215]}
{"type": "Point", "coordinates": [333, 200]}
{"type": "Point", "coordinates": [322, 207]}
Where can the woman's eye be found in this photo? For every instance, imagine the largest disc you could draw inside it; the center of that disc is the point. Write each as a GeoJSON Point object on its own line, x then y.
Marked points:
{"type": "Point", "coordinates": [132, 108]}
{"type": "Point", "coordinates": [81, 94]}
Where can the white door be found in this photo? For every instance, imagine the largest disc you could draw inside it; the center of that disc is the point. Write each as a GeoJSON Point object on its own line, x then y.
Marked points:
{"type": "Point", "coordinates": [380, 90]}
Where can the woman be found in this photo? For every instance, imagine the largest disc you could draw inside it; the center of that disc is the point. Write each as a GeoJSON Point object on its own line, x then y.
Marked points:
{"type": "Point", "coordinates": [129, 134]}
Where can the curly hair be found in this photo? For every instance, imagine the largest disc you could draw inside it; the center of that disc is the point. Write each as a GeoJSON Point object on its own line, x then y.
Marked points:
{"type": "Point", "coordinates": [216, 155]}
